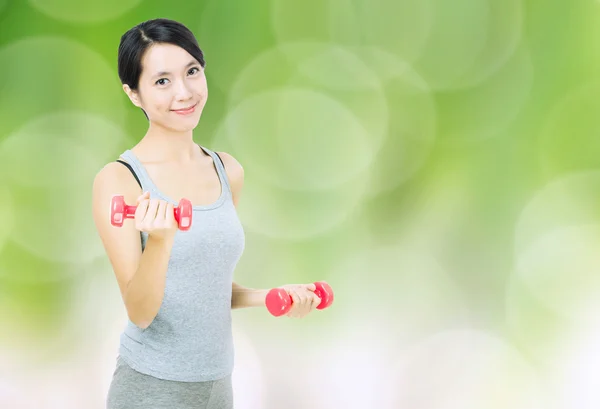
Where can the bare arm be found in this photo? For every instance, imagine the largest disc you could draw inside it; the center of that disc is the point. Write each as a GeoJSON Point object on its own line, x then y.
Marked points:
{"type": "Point", "coordinates": [141, 276]}
{"type": "Point", "coordinates": [243, 297]}
{"type": "Point", "coordinates": [144, 292]}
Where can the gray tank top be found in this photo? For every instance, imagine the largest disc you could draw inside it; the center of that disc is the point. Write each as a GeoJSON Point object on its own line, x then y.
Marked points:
{"type": "Point", "coordinates": [190, 339]}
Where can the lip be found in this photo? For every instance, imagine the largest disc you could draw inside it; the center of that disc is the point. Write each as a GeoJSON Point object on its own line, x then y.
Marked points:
{"type": "Point", "coordinates": [186, 111]}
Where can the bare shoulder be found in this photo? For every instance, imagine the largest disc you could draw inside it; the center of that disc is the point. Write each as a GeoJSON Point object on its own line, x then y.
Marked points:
{"type": "Point", "coordinates": [115, 178]}
{"type": "Point", "coordinates": [112, 171]}
{"type": "Point", "coordinates": [234, 169]}
{"type": "Point", "coordinates": [117, 175]}
{"type": "Point", "coordinates": [235, 174]}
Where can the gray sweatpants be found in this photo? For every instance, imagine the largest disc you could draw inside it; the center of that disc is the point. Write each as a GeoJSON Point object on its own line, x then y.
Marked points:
{"type": "Point", "coordinates": [130, 389]}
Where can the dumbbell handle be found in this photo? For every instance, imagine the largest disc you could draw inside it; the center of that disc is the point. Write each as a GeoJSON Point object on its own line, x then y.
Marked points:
{"type": "Point", "coordinates": [279, 302]}
{"type": "Point", "coordinates": [129, 212]}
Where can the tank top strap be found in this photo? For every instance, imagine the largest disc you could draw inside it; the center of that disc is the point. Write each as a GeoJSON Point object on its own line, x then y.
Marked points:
{"type": "Point", "coordinates": [220, 168]}
{"type": "Point", "coordinates": [140, 171]}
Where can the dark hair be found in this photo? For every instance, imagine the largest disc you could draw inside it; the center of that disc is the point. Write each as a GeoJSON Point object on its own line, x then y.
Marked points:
{"type": "Point", "coordinates": [138, 39]}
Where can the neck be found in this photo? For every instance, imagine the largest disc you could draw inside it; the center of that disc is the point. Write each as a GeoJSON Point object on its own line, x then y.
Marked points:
{"type": "Point", "coordinates": [162, 144]}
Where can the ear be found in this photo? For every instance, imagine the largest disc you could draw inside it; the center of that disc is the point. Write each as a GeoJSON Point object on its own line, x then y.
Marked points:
{"type": "Point", "coordinates": [133, 96]}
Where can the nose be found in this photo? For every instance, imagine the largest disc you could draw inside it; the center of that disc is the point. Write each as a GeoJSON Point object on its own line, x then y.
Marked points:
{"type": "Point", "coordinates": [183, 92]}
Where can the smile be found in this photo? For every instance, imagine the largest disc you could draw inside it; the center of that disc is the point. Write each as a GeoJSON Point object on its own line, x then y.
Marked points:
{"type": "Point", "coordinates": [186, 111]}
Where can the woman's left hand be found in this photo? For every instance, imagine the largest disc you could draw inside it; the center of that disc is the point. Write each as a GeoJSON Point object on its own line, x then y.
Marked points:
{"type": "Point", "coordinates": [304, 299]}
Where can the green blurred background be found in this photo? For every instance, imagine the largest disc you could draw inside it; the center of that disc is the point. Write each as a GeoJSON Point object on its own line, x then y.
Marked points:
{"type": "Point", "coordinates": [437, 162]}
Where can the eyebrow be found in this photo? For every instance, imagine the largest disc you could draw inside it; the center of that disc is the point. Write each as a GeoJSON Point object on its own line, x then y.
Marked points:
{"type": "Point", "coordinates": [160, 74]}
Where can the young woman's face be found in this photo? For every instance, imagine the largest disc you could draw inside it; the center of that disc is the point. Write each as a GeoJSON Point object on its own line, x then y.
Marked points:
{"type": "Point", "coordinates": [172, 82]}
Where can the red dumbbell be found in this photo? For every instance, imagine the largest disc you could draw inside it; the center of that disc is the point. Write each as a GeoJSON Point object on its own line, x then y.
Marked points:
{"type": "Point", "coordinates": [279, 302]}
{"type": "Point", "coordinates": [119, 211]}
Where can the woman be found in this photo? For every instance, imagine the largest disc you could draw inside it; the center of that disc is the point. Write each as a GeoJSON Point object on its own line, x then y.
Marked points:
{"type": "Point", "coordinates": [176, 350]}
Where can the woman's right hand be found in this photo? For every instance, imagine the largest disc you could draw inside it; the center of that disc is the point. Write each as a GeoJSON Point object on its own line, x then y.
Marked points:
{"type": "Point", "coordinates": [155, 217]}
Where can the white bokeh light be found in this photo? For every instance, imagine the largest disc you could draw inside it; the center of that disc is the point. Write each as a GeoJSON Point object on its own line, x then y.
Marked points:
{"type": "Point", "coordinates": [247, 377]}
{"type": "Point", "coordinates": [66, 384]}
{"type": "Point", "coordinates": [369, 82]}
{"type": "Point", "coordinates": [556, 241]}
{"type": "Point", "coordinates": [339, 72]}
{"type": "Point", "coordinates": [54, 159]}
{"type": "Point", "coordinates": [307, 104]}
{"type": "Point", "coordinates": [458, 35]}
{"type": "Point", "coordinates": [488, 109]}
{"type": "Point", "coordinates": [538, 329]}
{"type": "Point", "coordinates": [404, 278]}
{"type": "Point", "coordinates": [465, 369]}
{"type": "Point", "coordinates": [401, 26]}
{"type": "Point", "coordinates": [58, 227]}
{"type": "Point", "coordinates": [61, 149]}
{"type": "Point", "coordinates": [14, 397]}
{"type": "Point", "coordinates": [297, 215]}
{"type": "Point", "coordinates": [575, 374]}
{"type": "Point", "coordinates": [94, 303]}
{"type": "Point", "coordinates": [321, 362]}
{"type": "Point", "coordinates": [108, 351]}
{"type": "Point", "coordinates": [348, 370]}
{"type": "Point", "coordinates": [561, 268]}
{"type": "Point", "coordinates": [316, 142]}
{"type": "Point", "coordinates": [330, 66]}
{"type": "Point", "coordinates": [504, 33]}
{"type": "Point", "coordinates": [411, 131]}
{"type": "Point", "coordinates": [12, 393]}
{"type": "Point", "coordinates": [294, 198]}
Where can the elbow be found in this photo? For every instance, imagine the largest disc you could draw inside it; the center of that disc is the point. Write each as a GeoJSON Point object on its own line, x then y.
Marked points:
{"type": "Point", "coordinates": [139, 322]}
{"type": "Point", "coordinates": [142, 322]}
{"type": "Point", "coordinates": [143, 325]}
{"type": "Point", "coordinates": [141, 314]}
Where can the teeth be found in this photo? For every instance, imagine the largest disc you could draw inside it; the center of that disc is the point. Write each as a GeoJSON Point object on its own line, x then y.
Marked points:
{"type": "Point", "coordinates": [186, 109]}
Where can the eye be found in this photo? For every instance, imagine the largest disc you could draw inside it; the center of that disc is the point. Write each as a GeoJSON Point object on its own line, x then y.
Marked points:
{"type": "Point", "coordinates": [161, 83]}
{"type": "Point", "coordinates": [192, 69]}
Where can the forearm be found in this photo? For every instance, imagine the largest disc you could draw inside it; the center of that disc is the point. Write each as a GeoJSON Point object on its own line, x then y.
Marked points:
{"type": "Point", "coordinates": [244, 297]}
{"type": "Point", "coordinates": [145, 291]}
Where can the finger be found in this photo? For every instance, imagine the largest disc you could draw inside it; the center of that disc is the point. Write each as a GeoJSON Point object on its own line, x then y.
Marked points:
{"type": "Point", "coordinates": [301, 295]}
{"type": "Point", "coordinates": [305, 298]}
{"type": "Point", "coordinates": [311, 286]}
{"type": "Point", "coordinates": [140, 214]}
{"type": "Point", "coordinates": [295, 297]}
{"type": "Point", "coordinates": [145, 195]}
{"type": "Point", "coordinates": [292, 312]}
{"type": "Point", "coordinates": [151, 213]}
{"type": "Point", "coordinates": [301, 306]}
{"type": "Point", "coordinates": [298, 304]}
{"type": "Point", "coordinates": [170, 213]}
{"type": "Point", "coordinates": [161, 212]}
{"type": "Point", "coordinates": [315, 302]}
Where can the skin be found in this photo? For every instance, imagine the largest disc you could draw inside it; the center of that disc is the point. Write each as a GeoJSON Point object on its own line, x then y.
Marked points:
{"type": "Point", "coordinates": [171, 79]}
